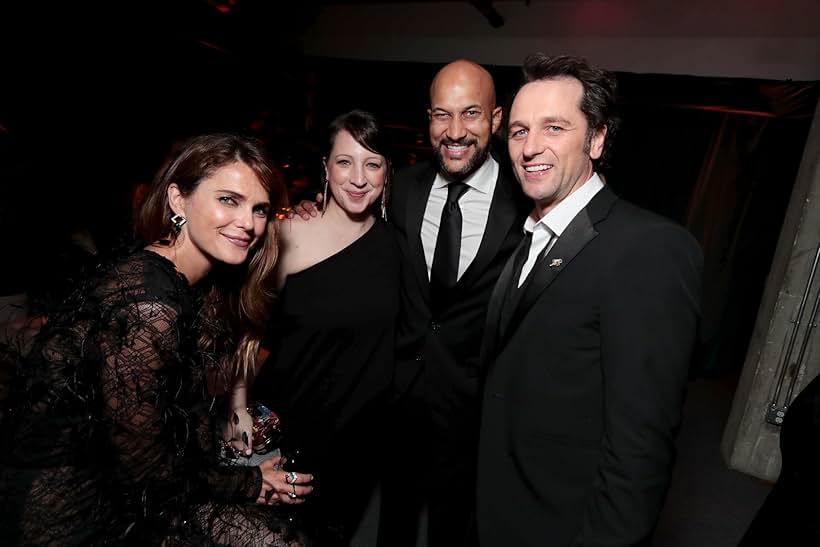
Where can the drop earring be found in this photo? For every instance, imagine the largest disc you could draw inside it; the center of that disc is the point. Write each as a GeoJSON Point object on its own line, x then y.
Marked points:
{"type": "Point", "coordinates": [385, 188]}
{"type": "Point", "coordinates": [325, 195]}
{"type": "Point", "coordinates": [178, 221]}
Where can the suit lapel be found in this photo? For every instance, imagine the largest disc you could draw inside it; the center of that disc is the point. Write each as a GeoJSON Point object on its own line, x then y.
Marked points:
{"type": "Point", "coordinates": [492, 328]}
{"type": "Point", "coordinates": [547, 269]}
{"type": "Point", "coordinates": [416, 205]}
{"type": "Point", "coordinates": [502, 217]}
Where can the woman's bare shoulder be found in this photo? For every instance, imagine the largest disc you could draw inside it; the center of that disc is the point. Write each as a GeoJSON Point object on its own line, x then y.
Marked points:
{"type": "Point", "coordinates": [296, 231]}
{"type": "Point", "coordinates": [290, 228]}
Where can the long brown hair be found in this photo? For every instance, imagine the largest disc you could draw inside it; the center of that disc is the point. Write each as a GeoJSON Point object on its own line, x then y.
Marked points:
{"type": "Point", "coordinates": [236, 307]}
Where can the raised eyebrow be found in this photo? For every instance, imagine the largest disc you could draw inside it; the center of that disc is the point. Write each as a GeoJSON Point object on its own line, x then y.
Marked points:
{"type": "Point", "coordinates": [473, 107]}
{"type": "Point", "coordinates": [556, 120]}
{"type": "Point", "coordinates": [232, 193]}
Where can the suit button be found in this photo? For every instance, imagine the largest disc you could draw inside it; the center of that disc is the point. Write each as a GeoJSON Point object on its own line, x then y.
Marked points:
{"type": "Point", "coordinates": [435, 326]}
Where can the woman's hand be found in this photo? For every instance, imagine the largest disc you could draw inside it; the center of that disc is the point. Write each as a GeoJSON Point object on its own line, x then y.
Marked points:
{"type": "Point", "coordinates": [239, 432]}
{"type": "Point", "coordinates": [280, 486]}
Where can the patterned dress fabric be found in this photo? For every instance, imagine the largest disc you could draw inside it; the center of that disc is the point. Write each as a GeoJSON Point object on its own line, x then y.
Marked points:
{"type": "Point", "coordinates": [110, 436]}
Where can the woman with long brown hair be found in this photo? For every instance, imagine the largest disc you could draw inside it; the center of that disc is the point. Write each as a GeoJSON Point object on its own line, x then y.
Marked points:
{"type": "Point", "coordinates": [112, 437]}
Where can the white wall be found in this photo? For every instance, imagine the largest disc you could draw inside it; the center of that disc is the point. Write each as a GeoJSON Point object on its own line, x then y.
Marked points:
{"type": "Point", "coordinates": [775, 39]}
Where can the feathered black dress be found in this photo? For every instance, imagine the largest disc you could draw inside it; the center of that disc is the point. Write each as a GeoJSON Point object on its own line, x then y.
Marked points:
{"type": "Point", "coordinates": [109, 439]}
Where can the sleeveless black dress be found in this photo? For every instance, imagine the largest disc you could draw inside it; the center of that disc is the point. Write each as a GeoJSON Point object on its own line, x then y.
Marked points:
{"type": "Point", "coordinates": [331, 362]}
{"type": "Point", "coordinates": [110, 439]}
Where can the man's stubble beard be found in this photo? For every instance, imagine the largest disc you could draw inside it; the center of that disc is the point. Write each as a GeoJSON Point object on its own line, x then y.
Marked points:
{"type": "Point", "coordinates": [476, 161]}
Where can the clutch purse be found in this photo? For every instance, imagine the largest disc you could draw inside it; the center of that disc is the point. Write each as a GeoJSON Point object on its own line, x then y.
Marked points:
{"type": "Point", "coordinates": [267, 431]}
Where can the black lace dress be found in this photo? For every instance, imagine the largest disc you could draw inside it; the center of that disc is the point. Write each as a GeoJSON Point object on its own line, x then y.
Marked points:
{"type": "Point", "coordinates": [110, 439]}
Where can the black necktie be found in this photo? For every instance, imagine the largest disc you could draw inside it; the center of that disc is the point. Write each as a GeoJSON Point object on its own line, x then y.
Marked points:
{"type": "Point", "coordinates": [520, 260]}
{"type": "Point", "coordinates": [444, 272]}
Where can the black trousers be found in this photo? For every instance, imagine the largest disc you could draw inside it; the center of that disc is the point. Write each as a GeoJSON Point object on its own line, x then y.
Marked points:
{"type": "Point", "coordinates": [432, 465]}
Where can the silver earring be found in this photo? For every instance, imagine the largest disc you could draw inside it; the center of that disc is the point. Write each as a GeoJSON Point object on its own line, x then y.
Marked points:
{"type": "Point", "coordinates": [324, 196]}
{"type": "Point", "coordinates": [178, 221]}
{"type": "Point", "coordinates": [385, 188]}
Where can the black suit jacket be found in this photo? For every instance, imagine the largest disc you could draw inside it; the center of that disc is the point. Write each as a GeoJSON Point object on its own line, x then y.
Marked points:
{"type": "Point", "coordinates": [439, 343]}
{"type": "Point", "coordinates": [587, 373]}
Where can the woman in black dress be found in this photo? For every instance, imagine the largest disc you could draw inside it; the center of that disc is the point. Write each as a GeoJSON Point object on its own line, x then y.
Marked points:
{"type": "Point", "coordinates": [110, 439]}
{"type": "Point", "coordinates": [331, 343]}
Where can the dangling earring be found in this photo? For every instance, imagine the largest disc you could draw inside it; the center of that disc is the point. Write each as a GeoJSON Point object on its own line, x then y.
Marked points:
{"type": "Point", "coordinates": [177, 222]}
{"type": "Point", "coordinates": [324, 195]}
{"type": "Point", "coordinates": [385, 188]}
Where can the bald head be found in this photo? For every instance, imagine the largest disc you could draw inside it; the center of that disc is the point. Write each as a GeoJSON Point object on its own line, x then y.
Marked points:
{"type": "Point", "coordinates": [463, 116]}
{"type": "Point", "coordinates": [465, 74]}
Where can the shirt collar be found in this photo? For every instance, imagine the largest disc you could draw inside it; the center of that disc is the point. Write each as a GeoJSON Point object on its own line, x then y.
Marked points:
{"type": "Point", "coordinates": [562, 214]}
{"type": "Point", "coordinates": [482, 180]}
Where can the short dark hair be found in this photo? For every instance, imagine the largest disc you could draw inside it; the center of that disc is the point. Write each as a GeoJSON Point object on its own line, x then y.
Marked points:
{"type": "Point", "coordinates": [598, 102]}
{"type": "Point", "coordinates": [366, 130]}
{"type": "Point", "coordinates": [363, 126]}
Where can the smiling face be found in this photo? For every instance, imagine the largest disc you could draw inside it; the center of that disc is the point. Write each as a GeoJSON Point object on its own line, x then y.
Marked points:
{"type": "Point", "coordinates": [355, 175]}
{"type": "Point", "coordinates": [549, 143]}
{"type": "Point", "coordinates": [226, 216]}
{"type": "Point", "coordinates": [463, 116]}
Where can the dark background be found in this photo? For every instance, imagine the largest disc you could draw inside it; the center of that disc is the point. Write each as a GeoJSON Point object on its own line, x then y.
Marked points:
{"type": "Point", "coordinates": [92, 96]}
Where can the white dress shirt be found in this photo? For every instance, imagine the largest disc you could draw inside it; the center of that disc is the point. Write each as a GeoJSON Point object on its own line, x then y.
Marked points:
{"type": "Point", "coordinates": [475, 210]}
{"type": "Point", "coordinates": [546, 230]}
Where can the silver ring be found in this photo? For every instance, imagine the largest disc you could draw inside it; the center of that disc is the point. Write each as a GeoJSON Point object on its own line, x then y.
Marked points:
{"type": "Point", "coordinates": [292, 495]}
{"type": "Point", "coordinates": [291, 477]}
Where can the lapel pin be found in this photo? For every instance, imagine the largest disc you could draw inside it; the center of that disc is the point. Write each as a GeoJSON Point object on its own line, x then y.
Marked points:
{"type": "Point", "coordinates": [556, 263]}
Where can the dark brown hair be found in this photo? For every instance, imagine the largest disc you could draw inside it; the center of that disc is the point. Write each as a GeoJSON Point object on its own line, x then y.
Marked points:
{"type": "Point", "coordinates": [239, 308]}
{"type": "Point", "coordinates": [363, 126]}
{"type": "Point", "coordinates": [600, 91]}
{"type": "Point", "coordinates": [366, 130]}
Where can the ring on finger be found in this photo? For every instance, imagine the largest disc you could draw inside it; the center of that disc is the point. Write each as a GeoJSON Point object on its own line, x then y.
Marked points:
{"type": "Point", "coordinates": [292, 495]}
{"type": "Point", "coordinates": [291, 477]}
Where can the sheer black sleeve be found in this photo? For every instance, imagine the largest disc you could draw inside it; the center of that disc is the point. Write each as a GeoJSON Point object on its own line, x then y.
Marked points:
{"type": "Point", "coordinates": [148, 424]}
{"type": "Point", "coordinates": [110, 437]}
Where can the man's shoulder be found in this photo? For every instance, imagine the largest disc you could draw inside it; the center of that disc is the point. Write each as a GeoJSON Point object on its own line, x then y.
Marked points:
{"type": "Point", "coordinates": [507, 178]}
{"type": "Point", "coordinates": [638, 215]}
{"type": "Point", "coordinates": [417, 171]}
{"type": "Point", "coordinates": [643, 225]}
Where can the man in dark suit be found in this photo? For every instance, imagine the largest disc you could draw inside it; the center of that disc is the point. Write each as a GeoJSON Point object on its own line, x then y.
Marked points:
{"type": "Point", "coordinates": [445, 290]}
{"type": "Point", "coordinates": [589, 334]}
